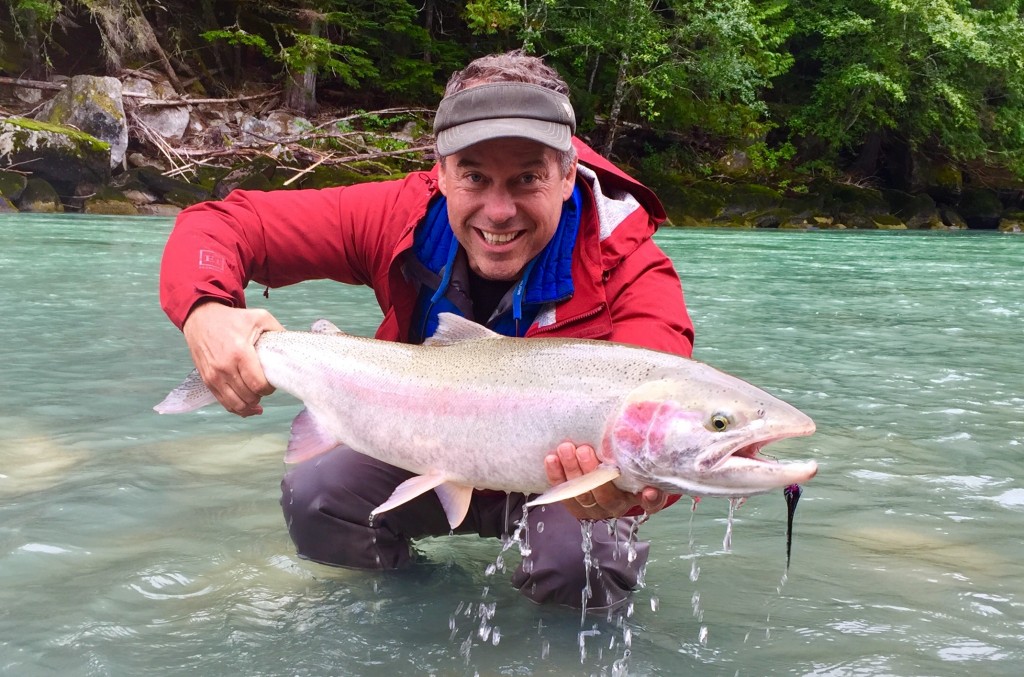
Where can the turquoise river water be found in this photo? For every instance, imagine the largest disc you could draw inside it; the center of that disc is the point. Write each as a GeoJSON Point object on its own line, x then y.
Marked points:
{"type": "Point", "coordinates": [138, 544]}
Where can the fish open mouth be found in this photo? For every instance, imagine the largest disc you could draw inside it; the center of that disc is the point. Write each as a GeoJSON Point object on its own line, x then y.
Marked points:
{"type": "Point", "coordinates": [751, 451]}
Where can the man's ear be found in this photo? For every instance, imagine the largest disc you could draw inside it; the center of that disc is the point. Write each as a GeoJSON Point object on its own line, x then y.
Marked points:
{"type": "Point", "coordinates": [442, 178]}
{"type": "Point", "coordinates": [569, 182]}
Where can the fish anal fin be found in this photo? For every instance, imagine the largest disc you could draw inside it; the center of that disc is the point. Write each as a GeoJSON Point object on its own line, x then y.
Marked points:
{"type": "Point", "coordinates": [308, 439]}
{"type": "Point", "coordinates": [454, 328]}
{"type": "Point", "coordinates": [455, 499]}
{"type": "Point", "coordinates": [574, 487]}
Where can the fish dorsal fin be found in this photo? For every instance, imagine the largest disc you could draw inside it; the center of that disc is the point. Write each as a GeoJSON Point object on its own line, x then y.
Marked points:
{"type": "Point", "coordinates": [323, 326]}
{"type": "Point", "coordinates": [454, 497]}
{"type": "Point", "coordinates": [308, 439]}
{"type": "Point", "coordinates": [574, 487]}
{"type": "Point", "coordinates": [454, 328]}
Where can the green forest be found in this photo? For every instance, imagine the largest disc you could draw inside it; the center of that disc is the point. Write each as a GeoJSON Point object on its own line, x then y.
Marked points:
{"type": "Point", "coordinates": [880, 92]}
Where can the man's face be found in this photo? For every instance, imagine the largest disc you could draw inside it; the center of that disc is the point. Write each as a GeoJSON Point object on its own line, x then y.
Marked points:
{"type": "Point", "coordinates": [504, 202]}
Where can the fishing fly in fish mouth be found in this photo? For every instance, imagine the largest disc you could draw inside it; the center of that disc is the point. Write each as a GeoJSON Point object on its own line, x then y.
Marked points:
{"type": "Point", "coordinates": [489, 268]}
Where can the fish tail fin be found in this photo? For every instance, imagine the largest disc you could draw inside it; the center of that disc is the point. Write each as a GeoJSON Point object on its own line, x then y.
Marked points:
{"type": "Point", "coordinates": [192, 394]}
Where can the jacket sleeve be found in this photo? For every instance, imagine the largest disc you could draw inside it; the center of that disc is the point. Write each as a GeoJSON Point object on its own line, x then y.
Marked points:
{"type": "Point", "coordinates": [645, 300]}
{"type": "Point", "coordinates": [279, 238]}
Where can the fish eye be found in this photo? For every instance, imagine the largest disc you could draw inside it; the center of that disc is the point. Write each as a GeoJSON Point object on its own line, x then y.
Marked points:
{"type": "Point", "coordinates": [719, 422]}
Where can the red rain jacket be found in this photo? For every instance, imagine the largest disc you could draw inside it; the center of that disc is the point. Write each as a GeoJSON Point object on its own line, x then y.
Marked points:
{"type": "Point", "coordinates": [626, 288]}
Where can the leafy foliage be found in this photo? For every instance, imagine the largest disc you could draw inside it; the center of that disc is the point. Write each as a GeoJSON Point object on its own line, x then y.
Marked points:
{"type": "Point", "coordinates": [940, 75]}
{"type": "Point", "coordinates": [813, 82]}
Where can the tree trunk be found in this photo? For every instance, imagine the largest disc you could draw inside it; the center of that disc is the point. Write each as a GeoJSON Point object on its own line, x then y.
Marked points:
{"type": "Point", "coordinates": [616, 110]}
{"type": "Point", "coordinates": [300, 91]}
{"type": "Point", "coordinates": [428, 26]}
{"type": "Point", "coordinates": [152, 44]}
{"type": "Point", "coordinates": [300, 86]}
{"type": "Point", "coordinates": [29, 21]}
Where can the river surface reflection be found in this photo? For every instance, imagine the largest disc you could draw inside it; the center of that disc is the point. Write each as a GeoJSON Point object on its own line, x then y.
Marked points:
{"type": "Point", "coordinates": [132, 543]}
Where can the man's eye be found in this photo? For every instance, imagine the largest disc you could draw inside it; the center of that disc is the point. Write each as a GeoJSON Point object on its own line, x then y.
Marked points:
{"type": "Point", "coordinates": [529, 178]}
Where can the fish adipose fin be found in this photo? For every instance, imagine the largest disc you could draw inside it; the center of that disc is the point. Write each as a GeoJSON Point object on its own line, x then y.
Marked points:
{"type": "Point", "coordinates": [192, 394]}
{"type": "Point", "coordinates": [582, 484]}
{"type": "Point", "coordinates": [454, 328]}
{"type": "Point", "coordinates": [454, 497]}
{"type": "Point", "coordinates": [308, 439]}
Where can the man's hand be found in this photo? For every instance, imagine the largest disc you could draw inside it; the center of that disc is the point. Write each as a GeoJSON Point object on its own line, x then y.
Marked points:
{"type": "Point", "coordinates": [221, 339]}
{"type": "Point", "coordinates": [606, 501]}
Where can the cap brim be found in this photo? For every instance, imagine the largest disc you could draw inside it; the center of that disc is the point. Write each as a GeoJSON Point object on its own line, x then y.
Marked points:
{"type": "Point", "coordinates": [460, 137]}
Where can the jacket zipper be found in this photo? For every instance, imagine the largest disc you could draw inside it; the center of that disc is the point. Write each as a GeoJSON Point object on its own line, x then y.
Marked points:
{"type": "Point", "coordinates": [593, 312]}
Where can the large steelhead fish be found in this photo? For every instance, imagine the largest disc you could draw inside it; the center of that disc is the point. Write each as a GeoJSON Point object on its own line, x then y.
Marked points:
{"type": "Point", "coordinates": [474, 409]}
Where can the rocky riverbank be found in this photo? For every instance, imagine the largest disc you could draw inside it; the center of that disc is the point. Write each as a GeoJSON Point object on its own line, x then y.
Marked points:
{"type": "Point", "coordinates": [103, 145]}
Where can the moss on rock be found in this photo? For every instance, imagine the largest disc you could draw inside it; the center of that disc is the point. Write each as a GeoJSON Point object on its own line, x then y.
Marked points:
{"type": "Point", "coordinates": [109, 201]}
{"type": "Point", "coordinates": [12, 184]}
{"type": "Point", "coordinates": [40, 197]}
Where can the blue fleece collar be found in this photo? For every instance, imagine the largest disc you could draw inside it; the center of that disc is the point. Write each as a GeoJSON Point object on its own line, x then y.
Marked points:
{"type": "Point", "coordinates": [547, 278]}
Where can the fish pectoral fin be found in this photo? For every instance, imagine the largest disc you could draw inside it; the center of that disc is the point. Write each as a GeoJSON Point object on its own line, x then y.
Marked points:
{"type": "Point", "coordinates": [308, 439]}
{"type": "Point", "coordinates": [410, 489]}
{"type": "Point", "coordinates": [582, 484]}
{"type": "Point", "coordinates": [455, 500]}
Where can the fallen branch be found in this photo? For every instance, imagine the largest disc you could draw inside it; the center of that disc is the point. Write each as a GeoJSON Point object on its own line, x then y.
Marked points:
{"type": "Point", "coordinates": [192, 102]}
{"type": "Point", "coordinates": [30, 84]}
{"type": "Point", "coordinates": [305, 171]}
{"type": "Point", "coordinates": [184, 101]}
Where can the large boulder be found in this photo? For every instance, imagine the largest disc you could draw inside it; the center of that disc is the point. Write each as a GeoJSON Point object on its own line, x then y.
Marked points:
{"type": "Point", "coordinates": [169, 189]}
{"type": "Point", "coordinates": [66, 158]}
{"type": "Point", "coordinates": [40, 197]}
{"type": "Point", "coordinates": [109, 201]}
{"type": "Point", "coordinates": [95, 106]}
{"type": "Point", "coordinates": [169, 122]}
{"type": "Point", "coordinates": [980, 208]}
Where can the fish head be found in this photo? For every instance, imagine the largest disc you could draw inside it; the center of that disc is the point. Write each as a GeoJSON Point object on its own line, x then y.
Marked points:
{"type": "Point", "coordinates": [700, 432]}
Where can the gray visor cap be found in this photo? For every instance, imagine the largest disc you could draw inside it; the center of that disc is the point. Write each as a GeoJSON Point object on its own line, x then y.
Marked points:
{"type": "Point", "coordinates": [504, 109]}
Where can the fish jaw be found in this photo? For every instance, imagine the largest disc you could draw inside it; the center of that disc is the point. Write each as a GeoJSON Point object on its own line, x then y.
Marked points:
{"type": "Point", "coordinates": [735, 467]}
{"type": "Point", "coordinates": [666, 437]}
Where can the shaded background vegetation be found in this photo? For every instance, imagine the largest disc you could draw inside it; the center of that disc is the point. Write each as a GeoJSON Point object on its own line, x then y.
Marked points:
{"type": "Point", "coordinates": [880, 91]}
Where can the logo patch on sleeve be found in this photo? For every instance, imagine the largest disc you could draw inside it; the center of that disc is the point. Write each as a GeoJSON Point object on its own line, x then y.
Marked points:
{"type": "Point", "coordinates": [211, 260]}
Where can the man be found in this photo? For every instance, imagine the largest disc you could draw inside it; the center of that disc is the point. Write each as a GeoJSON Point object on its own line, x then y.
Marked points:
{"type": "Point", "coordinates": [519, 226]}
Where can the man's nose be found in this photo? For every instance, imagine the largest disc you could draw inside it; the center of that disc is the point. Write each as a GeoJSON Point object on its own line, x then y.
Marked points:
{"type": "Point", "coordinates": [500, 206]}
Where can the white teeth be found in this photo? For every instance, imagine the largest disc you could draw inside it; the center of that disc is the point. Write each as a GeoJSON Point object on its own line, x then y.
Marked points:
{"type": "Point", "coordinates": [498, 238]}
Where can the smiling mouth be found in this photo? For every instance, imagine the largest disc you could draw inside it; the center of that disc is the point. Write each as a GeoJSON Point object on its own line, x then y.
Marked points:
{"type": "Point", "coordinates": [499, 238]}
